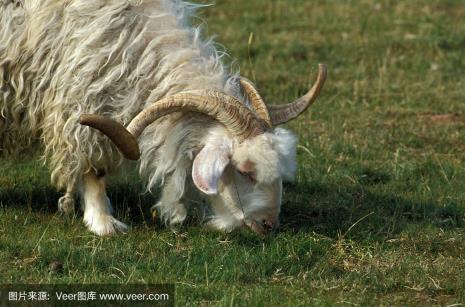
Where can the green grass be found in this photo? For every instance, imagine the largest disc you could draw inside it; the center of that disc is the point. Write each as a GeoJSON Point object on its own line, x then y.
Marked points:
{"type": "Point", "coordinates": [377, 213]}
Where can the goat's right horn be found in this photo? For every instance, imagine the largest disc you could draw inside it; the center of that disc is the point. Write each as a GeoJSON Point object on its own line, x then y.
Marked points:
{"type": "Point", "coordinates": [256, 100]}
{"type": "Point", "coordinates": [283, 113]}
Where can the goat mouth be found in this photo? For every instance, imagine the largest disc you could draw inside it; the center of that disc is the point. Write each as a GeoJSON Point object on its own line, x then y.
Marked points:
{"type": "Point", "coordinates": [258, 228]}
{"type": "Point", "coordinates": [254, 226]}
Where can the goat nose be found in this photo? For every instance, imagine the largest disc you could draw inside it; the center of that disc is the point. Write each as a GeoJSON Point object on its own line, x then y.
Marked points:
{"type": "Point", "coordinates": [269, 226]}
{"type": "Point", "coordinates": [262, 227]}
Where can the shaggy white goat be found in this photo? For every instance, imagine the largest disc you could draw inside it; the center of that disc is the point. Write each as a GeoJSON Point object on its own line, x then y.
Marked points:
{"type": "Point", "coordinates": [194, 126]}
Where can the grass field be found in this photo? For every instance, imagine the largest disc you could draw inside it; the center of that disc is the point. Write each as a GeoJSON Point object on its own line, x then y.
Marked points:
{"type": "Point", "coordinates": [377, 212]}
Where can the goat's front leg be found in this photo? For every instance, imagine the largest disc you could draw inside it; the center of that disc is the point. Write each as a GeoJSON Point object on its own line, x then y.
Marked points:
{"type": "Point", "coordinates": [172, 211]}
{"type": "Point", "coordinates": [66, 202]}
{"type": "Point", "coordinates": [97, 207]}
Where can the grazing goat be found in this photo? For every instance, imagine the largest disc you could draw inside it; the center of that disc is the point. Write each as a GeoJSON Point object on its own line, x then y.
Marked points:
{"type": "Point", "coordinates": [193, 126]}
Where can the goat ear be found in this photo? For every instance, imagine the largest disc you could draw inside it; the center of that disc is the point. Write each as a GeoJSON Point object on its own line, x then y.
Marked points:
{"type": "Point", "coordinates": [208, 167]}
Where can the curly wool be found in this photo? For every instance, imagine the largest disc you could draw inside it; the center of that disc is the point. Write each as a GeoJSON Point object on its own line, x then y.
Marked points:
{"type": "Point", "coordinates": [59, 59]}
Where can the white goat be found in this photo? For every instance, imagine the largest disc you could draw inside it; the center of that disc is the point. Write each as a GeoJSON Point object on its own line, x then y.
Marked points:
{"type": "Point", "coordinates": [140, 63]}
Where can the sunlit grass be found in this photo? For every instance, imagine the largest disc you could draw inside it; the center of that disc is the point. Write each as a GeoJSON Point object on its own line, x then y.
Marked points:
{"type": "Point", "coordinates": [377, 212]}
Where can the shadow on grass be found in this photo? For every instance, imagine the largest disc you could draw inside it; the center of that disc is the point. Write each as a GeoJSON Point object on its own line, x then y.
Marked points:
{"type": "Point", "coordinates": [324, 209]}
{"type": "Point", "coordinates": [129, 201]}
{"type": "Point", "coordinates": [358, 213]}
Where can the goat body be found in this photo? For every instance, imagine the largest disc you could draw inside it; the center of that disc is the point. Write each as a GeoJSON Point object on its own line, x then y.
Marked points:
{"type": "Point", "coordinates": [60, 59]}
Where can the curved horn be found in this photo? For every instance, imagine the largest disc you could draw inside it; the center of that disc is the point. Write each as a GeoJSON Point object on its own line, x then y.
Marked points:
{"type": "Point", "coordinates": [256, 100]}
{"type": "Point", "coordinates": [125, 141]}
{"type": "Point", "coordinates": [283, 113]}
{"type": "Point", "coordinates": [238, 119]}
{"type": "Point", "coordinates": [230, 112]}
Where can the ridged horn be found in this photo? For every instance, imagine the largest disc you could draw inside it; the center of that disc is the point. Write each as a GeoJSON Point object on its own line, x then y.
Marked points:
{"type": "Point", "coordinates": [124, 141]}
{"type": "Point", "coordinates": [256, 100]}
{"type": "Point", "coordinates": [227, 110]}
{"type": "Point", "coordinates": [283, 113]}
{"type": "Point", "coordinates": [238, 119]}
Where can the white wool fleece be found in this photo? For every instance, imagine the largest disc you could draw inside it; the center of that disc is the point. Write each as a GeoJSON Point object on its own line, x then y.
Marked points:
{"type": "Point", "coordinates": [272, 154]}
{"type": "Point", "coordinates": [285, 144]}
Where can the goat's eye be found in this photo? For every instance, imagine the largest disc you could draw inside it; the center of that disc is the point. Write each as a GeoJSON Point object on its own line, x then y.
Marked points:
{"type": "Point", "coordinates": [248, 175]}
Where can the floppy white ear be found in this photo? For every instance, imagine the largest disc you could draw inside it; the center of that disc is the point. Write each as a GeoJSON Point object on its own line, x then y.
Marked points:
{"type": "Point", "coordinates": [208, 167]}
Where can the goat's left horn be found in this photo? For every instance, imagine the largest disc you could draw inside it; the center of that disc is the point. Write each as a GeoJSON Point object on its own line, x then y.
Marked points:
{"type": "Point", "coordinates": [283, 113]}
{"type": "Point", "coordinates": [125, 141]}
{"type": "Point", "coordinates": [227, 110]}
